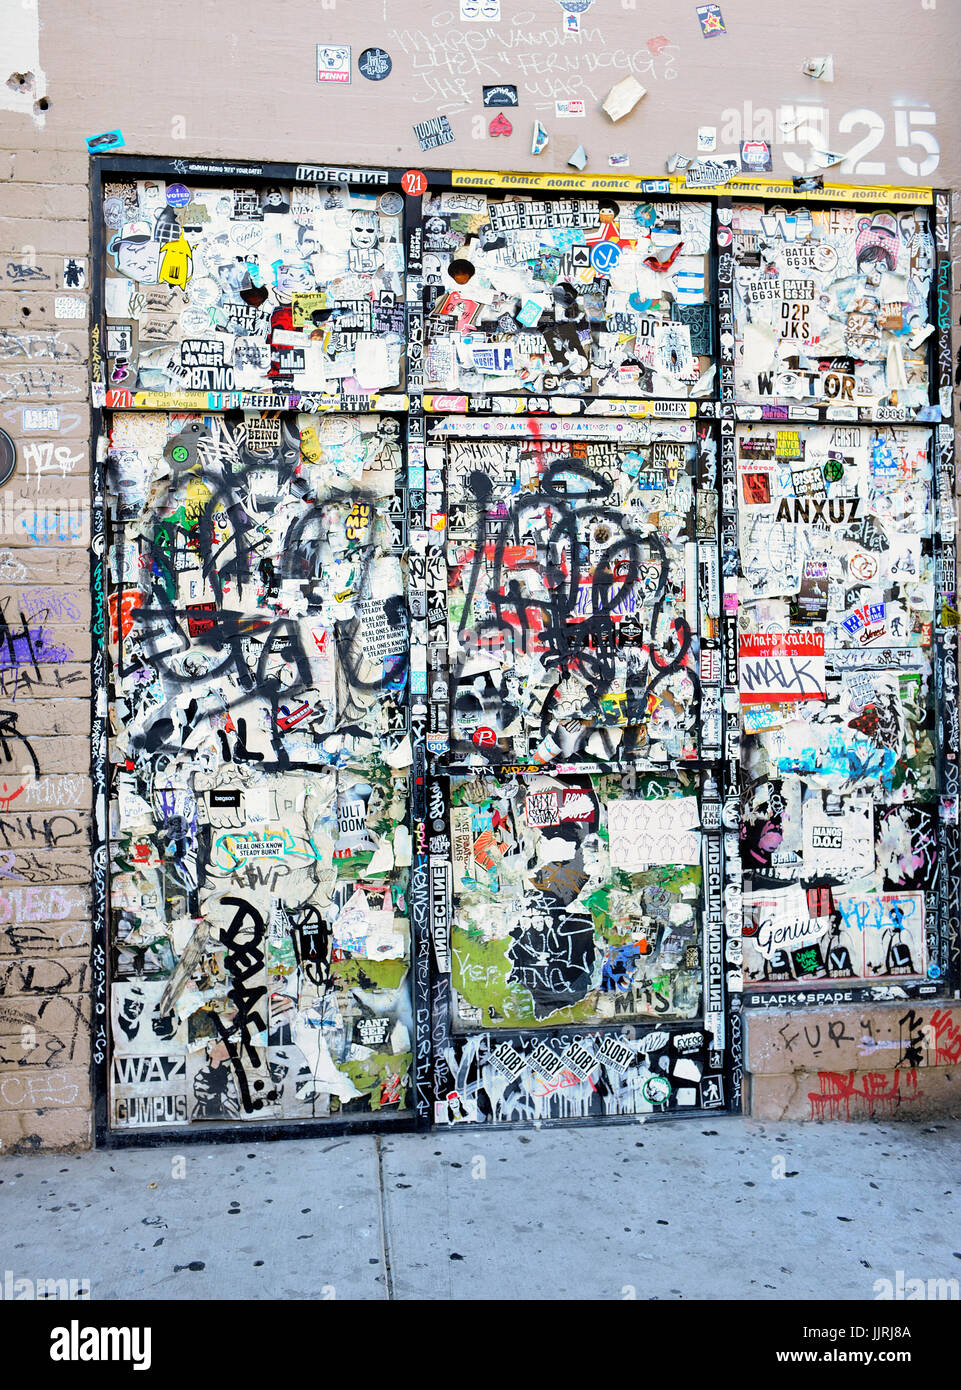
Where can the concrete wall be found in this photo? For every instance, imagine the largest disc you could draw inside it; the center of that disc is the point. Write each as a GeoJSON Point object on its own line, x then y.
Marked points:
{"type": "Point", "coordinates": [191, 78]}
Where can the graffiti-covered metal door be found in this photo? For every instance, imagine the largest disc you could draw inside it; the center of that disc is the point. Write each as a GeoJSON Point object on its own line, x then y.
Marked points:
{"type": "Point", "coordinates": [257, 774]}
{"type": "Point", "coordinates": [578, 794]}
{"type": "Point", "coordinates": [258, 663]}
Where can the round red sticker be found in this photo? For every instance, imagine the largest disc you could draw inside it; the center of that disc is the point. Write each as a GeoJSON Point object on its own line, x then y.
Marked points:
{"type": "Point", "coordinates": [414, 183]}
{"type": "Point", "coordinates": [484, 737]}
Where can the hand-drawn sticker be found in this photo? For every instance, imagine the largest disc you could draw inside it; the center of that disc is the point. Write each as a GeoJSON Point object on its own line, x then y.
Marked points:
{"type": "Point", "coordinates": [500, 125]}
{"type": "Point", "coordinates": [107, 140]}
{"type": "Point", "coordinates": [74, 273]}
{"type": "Point", "coordinates": [8, 457]}
{"type": "Point", "coordinates": [575, 6]}
{"type": "Point", "coordinates": [489, 10]}
{"type": "Point", "coordinates": [711, 20]}
{"type": "Point", "coordinates": [500, 96]}
{"type": "Point", "coordinates": [390, 204]}
{"type": "Point", "coordinates": [374, 64]}
{"type": "Point", "coordinates": [414, 183]}
{"type": "Point", "coordinates": [333, 62]}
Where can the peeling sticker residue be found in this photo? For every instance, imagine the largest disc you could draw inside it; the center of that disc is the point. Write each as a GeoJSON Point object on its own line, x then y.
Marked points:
{"type": "Point", "coordinates": [23, 83]}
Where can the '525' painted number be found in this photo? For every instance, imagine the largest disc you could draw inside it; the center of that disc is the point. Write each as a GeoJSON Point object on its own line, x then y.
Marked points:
{"type": "Point", "coordinates": [911, 132]}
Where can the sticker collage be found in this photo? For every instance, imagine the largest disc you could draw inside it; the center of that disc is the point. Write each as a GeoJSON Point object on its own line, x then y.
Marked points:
{"type": "Point", "coordinates": [530, 635]}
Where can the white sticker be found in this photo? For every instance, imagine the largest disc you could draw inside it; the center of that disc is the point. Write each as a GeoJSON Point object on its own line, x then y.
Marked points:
{"type": "Point", "coordinates": [333, 63]}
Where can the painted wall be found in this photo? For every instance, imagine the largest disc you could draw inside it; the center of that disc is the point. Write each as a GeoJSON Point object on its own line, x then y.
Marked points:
{"type": "Point", "coordinates": [240, 82]}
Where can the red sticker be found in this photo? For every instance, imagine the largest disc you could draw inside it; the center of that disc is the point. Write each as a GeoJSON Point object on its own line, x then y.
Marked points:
{"type": "Point", "coordinates": [484, 737]}
{"type": "Point", "coordinates": [414, 183]}
{"type": "Point", "coordinates": [500, 125]}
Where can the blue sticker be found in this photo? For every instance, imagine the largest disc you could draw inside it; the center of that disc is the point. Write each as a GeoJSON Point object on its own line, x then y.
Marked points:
{"type": "Point", "coordinates": [712, 21]}
{"type": "Point", "coordinates": [605, 256]}
{"type": "Point", "coordinates": [177, 195]}
{"type": "Point", "coordinates": [374, 64]}
{"type": "Point", "coordinates": [108, 140]}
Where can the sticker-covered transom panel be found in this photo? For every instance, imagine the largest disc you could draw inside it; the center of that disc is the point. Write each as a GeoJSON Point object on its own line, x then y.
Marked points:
{"type": "Point", "coordinates": [573, 296]}
{"type": "Point", "coordinates": [295, 289]}
{"type": "Point", "coordinates": [832, 306]}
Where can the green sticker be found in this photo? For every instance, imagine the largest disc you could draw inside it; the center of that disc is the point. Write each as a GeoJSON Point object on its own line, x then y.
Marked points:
{"type": "Point", "coordinates": [179, 453]}
{"type": "Point", "coordinates": [833, 471]}
{"type": "Point", "coordinates": [656, 1090]}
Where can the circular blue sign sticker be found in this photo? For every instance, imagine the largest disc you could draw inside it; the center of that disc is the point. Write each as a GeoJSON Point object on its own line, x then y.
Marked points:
{"type": "Point", "coordinates": [605, 256]}
{"type": "Point", "coordinates": [374, 64]}
{"type": "Point", "coordinates": [177, 195]}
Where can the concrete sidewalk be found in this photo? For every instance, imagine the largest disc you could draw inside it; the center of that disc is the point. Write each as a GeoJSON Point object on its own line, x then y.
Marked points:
{"type": "Point", "coordinates": [690, 1209]}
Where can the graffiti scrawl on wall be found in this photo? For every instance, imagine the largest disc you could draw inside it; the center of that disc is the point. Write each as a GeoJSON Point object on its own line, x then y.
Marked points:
{"type": "Point", "coordinates": [259, 847]}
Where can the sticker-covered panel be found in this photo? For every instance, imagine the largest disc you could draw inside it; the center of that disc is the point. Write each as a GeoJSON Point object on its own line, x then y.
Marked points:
{"type": "Point", "coordinates": [576, 900]}
{"type": "Point", "coordinates": [293, 289]}
{"type": "Point", "coordinates": [573, 599]}
{"type": "Point", "coordinates": [572, 296]}
{"type": "Point", "coordinates": [839, 815]}
{"type": "Point", "coordinates": [529, 1078]}
{"type": "Point", "coordinates": [259, 933]}
{"type": "Point", "coordinates": [832, 306]}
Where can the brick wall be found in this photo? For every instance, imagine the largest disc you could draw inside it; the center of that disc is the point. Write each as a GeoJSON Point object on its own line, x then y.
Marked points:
{"type": "Point", "coordinates": [855, 1062]}
{"type": "Point", "coordinates": [45, 789]}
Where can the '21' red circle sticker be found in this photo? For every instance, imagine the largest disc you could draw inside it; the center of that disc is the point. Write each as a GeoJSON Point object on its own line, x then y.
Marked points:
{"type": "Point", "coordinates": [414, 183]}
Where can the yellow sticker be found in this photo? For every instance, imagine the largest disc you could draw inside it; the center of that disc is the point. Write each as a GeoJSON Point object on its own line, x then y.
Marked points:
{"type": "Point", "coordinates": [303, 306]}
